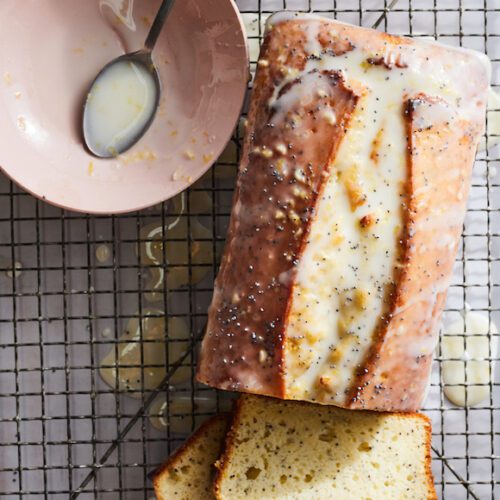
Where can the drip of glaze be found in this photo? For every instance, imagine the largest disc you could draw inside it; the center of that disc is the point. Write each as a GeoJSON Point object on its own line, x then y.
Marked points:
{"type": "Point", "coordinates": [466, 346]}
{"type": "Point", "coordinates": [122, 9]}
{"type": "Point", "coordinates": [11, 271]}
{"type": "Point", "coordinates": [186, 413]}
{"type": "Point", "coordinates": [106, 333]}
{"type": "Point", "coordinates": [102, 253]}
{"type": "Point", "coordinates": [493, 121]}
{"type": "Point", "coordinates": [167, 248]}
{"type": "Point", "coordinates": [138, 361]}
{"type": "Point", "coordinates": [16, 272]}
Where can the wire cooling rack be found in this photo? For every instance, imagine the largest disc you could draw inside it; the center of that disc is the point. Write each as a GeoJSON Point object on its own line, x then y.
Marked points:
{"type": "Point", "coordinates": [72, 285]}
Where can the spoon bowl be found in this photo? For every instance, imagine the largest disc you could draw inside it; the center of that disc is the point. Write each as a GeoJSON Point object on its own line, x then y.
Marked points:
{"type": "Point", "coordinates": [124, 97]}
{"type": "Point", "coordinates": [105, 113]}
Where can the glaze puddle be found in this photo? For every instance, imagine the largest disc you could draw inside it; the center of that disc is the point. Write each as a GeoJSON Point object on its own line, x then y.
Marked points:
{"type": "Point", "coordinates": [171, 261]}
{"type": "Point", "coordinates": [186, 413]}
{"type": "Point", "coordinates": [123, 370]}
{"type": "Point", "coordinates": [493, 122]}
{"type": "Point", "coordinates": [102, 253]}
{"type": "Point", "coordinates": [466, 346]}
{"type": "Point", "coordinates": [11, 271]}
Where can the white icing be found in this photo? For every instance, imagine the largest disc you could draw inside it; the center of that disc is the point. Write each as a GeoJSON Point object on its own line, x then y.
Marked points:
{"type": "Point", "coordinates": [313, 46]}
{"type": "Point", "coordinates": [283, 16]}
{"type": "Point", "coordinates": [287, 15]}
{"type": "Point", "coordinates": [468, 348]}
{"type": "Point", "coordinates": [341, 260]}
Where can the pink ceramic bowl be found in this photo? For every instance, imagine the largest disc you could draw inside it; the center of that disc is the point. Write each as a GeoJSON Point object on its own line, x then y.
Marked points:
{"type": "Point", "coordinates": [51, 50]}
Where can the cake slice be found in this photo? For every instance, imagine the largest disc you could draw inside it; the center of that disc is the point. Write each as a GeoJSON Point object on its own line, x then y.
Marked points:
{"type": "Point", "coordinates": [293, 450]}
{"type": "Point", "coordinates": [188, 474]}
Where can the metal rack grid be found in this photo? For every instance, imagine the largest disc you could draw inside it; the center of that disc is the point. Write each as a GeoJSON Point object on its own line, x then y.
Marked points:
{"type": "Point", "coordinates": [65, 433]}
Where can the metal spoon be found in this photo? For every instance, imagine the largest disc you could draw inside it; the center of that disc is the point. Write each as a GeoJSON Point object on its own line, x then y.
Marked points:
{"type": "Point", "coordinates": [142, 67]}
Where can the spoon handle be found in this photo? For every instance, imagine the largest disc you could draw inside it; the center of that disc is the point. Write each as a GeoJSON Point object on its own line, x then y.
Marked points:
{"type": "Point", "coordinates": [158, 23]}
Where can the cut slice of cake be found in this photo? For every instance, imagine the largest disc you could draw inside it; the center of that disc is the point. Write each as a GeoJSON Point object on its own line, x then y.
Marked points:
{"type": "Point", "coordinates": [292, 450]}
{"type": "Point", "coordinates": [188, 474]}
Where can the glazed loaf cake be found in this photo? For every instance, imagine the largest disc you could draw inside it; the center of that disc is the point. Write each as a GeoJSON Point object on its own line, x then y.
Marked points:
{"type": "Point", "coordinates": [348, 209]}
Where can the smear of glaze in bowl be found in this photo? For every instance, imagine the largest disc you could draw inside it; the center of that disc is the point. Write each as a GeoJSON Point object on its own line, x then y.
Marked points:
{"type": "Point", "coordinates": [122, 9]}
{"type": "Point", "coordinates": [467, 347]}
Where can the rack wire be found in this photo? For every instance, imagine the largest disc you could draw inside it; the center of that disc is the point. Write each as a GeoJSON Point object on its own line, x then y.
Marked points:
{"type": "Point", "coordinates": [70, 284]}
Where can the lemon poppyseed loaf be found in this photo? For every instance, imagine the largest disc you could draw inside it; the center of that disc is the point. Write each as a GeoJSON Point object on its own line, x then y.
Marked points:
{"type": "Point", "coordinates": [188, 474]}
{"type": "Point", "coordinates": [293, 450]}
{"type": "Point", "coordinates": [348, 209]}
